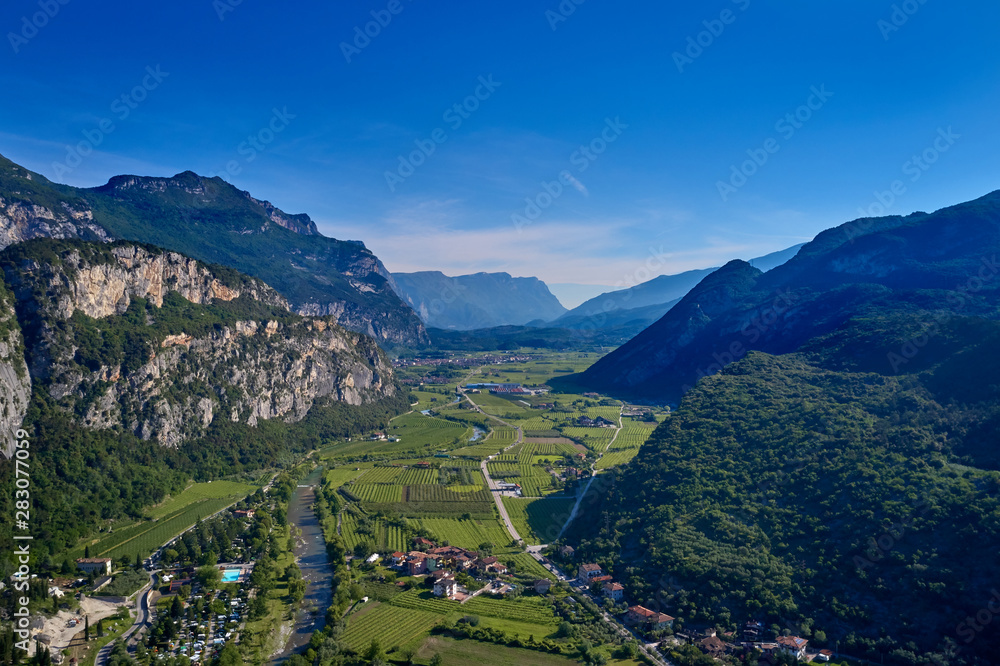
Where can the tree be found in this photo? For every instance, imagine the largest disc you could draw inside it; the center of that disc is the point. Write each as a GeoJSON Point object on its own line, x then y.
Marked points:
{"type": "Point", "coordinates": [100, 628]}
{"type": "Point", "coordinates": [209, 576]}
{"type": "Point", "coordinates": [437, 660]}
{"type": "Point", "coordinates": [374, 651]}
{"type": "Point", "coordinates": [86, 629]}
{"type": "Point", "coordinates": [176, 608]}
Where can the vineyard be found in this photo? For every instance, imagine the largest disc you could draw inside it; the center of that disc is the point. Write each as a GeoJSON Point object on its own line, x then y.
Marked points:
{"type": "Point", "coordinates": [144, 537]}
{"type": "Point", "coordinates": [424, 601]}
{"type": "Point", "coordinates": [391, 625]}
{"type": "Point", "coordinates": [377, 492]}
{"type": "Point", "coordinates": [595, 439]}
{"type": "Point", "coordinates": [530, 610]}
{"type": "Point", "coordinates": [355, 529]}
{"type": "Point", "coordinates": [615, 458]}
{"type": "Point", "coordinates": [201, 491]}
{"type": "Point", "coordinates": [467, 533]}
{"type": "Point", "coordinates": [341, 475]}
{"type": "Point", "coordinates": [436, 494]}
{"type": "Point", "coordinates": [538, 520]}
{"type": "Point", "coordinates": [526, 450]}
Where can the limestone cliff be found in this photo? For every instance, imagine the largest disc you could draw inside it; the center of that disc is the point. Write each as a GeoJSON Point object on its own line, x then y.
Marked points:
{"type": "Point", "coordinates": [134, 337]}
{"type": "Point", "coordinates": [15, 383]}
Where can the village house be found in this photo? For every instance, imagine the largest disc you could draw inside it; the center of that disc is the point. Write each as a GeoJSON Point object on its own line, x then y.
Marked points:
{"type": "Point", "coordinates": [589, 572]}
{"type": "Point", "coordinates": [398, 558]}
{"type": "Point", "coordinates": [453, 556]}
{"type": "Point", "coordinates": [567, 551]}
{"type": "Point", "coordinates": [98, 565]}
{"type": "Point", "coordinates": [543, 585]}
{"type": "Point", "coordinates": [418, 563]}
{"type": "Point", "coordinates": [601, 422]}
{"type": "Point", "coordinates": [614, 591]}
{"type": "Point", "coordinates": [651, 619]}
{"type": "Point", "coordinates": [490, 565]}
{"type": "Point", "coordinates": [793, 645]}
{"type": "Point", "coordinates": [421, 541]}
{"type": "Point", "coordinates": [446, 587]}
{"type": "Point", "coordinates": [713, 646]}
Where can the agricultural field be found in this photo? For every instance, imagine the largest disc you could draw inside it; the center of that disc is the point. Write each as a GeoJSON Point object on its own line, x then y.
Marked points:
{"type": "Point", "coordinates": [198, 492]}
{"type": "Point", "coordinates": [527, 450]}
{"type": "Point", "coordinates": [467, 533]}
{"type": "Point", "coordinates": [462, 652]}
{"type": "Point", "coordinates": [525, 564]}
{"type": "Point", "coordinates": [385, 537]}
{"type": "Point", "coordinates": [420, 431]}
{"type": "Point", "coordinates": [538, 520]}
{"type": "Point", "coordinates": [531, 610]}
{"type": "Point", "coordinates": [339, 476]}
{"type": "Point", "coordinates": [615, 458]}
{"type": "Point", "coordinates": [166, 521]}
{"type": "Point", "coordinates": [595, 439]}
{"type": "Point", "coordinates": [377, 492]}
{"type": "Point", "coordinates": [393, 626]}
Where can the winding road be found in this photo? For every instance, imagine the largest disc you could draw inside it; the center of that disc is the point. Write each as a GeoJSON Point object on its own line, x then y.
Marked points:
{"type": "Point", "coordinates": [493, 485]}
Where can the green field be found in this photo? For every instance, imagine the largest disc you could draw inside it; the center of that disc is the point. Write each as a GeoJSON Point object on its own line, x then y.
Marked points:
{"type": "Point", "coordinates": [463, 652]}
{"type": "Point", "coordinates": [467, 533]}
{"type": "Point", "coordinates": [166, 520]}
{"type": "Point", "coordinates": [532, 610]}
{"type": "Point", "coordinates": [392, 626]}
{"type": "Point", "coordinates": [538, 520]}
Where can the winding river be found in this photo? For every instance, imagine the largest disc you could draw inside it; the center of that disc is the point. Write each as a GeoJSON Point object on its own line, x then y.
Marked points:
{"type": "Point", "coordinates": [310, 553]}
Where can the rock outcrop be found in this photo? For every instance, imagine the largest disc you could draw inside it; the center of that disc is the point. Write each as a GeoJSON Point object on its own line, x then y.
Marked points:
{"type": "Point", "coordinates": [243, 355]}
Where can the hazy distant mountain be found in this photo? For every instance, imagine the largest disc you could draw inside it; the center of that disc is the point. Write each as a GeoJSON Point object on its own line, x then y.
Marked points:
{"type": "Point", "coordinates": [212, 221]}
{"type": "Point", "coordinates": [865, 268]}
{"type": "Point", "coordinates": [482, 300]}
{"type": "Point", "coordinates": [572, 294]}
{"type": "Point", "coordinates": [650, 300]}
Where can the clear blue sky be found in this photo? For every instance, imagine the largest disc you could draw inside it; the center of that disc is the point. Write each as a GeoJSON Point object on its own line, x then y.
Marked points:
{"type": "Point", "coordinates": [654, 189]}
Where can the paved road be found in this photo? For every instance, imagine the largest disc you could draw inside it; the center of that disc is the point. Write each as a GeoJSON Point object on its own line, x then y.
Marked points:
{"type": "Point", "coordinates": [618, 627]}
{"type": "Point", "coordinates": [493, 486]}
{"type": "Point", "coordinates": [593, 474]}
{"type": "Point", "coordinates": [143, 618]}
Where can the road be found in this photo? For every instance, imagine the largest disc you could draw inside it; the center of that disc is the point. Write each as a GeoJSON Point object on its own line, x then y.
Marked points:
{"type": "Point", "coordinates": [593, 473]}
{"type": "Point", "coordinates": [493, 486]}
{"type": "Point", "coordinates": [618, 627]}
{"type": "Point", "coordinates": [143, 619]}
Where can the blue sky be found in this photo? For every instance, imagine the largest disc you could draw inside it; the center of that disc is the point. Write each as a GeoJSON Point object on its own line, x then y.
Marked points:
{"type": "Point", "coordinates": [554, 82]}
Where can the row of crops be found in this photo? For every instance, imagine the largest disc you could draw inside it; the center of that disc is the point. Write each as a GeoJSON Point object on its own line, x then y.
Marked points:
{"type": "Point", "coordinates": [466, 533]}
{"type": "Point", "coordinates": [539, 520]}
{"type": "Point", "coordinates": [355, 529]}
{"type": "Point", "coordinates": [393, 626]}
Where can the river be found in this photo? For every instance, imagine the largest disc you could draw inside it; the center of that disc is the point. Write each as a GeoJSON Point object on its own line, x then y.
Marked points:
{"type": "Point", "coordinates": [310, 553]}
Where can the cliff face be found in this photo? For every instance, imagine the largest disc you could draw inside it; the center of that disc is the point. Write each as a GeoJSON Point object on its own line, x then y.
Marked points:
{"type": "Point", "coordinates": [15, 383]}
{"type": "Point", "coordinates": [212, 221]}
{"type": "Point", "coordinates": [21, 221]}
{"type": "Point", "coordinates": [162, 345]}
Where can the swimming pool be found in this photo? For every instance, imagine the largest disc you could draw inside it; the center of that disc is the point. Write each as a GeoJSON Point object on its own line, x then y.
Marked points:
{"type": "Point", "coordinates": [230, 575]}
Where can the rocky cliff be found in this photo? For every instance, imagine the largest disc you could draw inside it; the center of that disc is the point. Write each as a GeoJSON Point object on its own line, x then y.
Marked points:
{"type": "Point", "coordinates": [212, 221]}
{"type": "Point", "coordinates": [15, 383]}
{"type": "Point", "coordinates": [134, 337]}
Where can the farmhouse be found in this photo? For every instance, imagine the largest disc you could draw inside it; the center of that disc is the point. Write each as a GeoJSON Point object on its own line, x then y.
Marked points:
{"type": "Point", "coordinates": [651, 619]}
{"type": "Point", "coordinates": [567, 551]}
{"type": "Point", "coordinates": [543, 585]}
{"type": "Point", "coordinates": [614, 591]}
{"type": "Point", "coordinates": [793, 645]}
{"type": "Point", "coordinates": [100, 565]}
{"type": "Point", "coordinates": [589, 572]}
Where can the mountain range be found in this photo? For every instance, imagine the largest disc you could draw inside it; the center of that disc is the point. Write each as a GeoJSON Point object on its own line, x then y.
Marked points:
{"type": "Point", "coordinates": [864, 266]}
{"type": "Point", "coordinates": [482, 300]}
{"type": "Point", "coordinates": [831, 467]}
{"type": "Point", "coordinates": [210, 220]}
